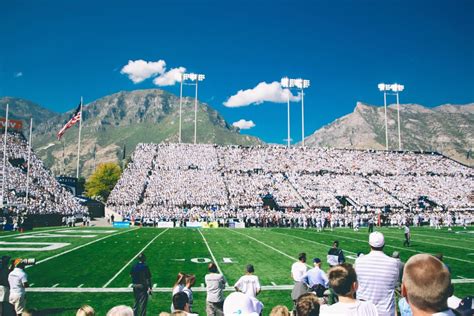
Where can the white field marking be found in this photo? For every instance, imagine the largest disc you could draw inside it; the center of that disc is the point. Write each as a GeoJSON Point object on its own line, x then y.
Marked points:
{"type": "Point", "coordinates": [87, 231]}
{"type": "Point", "coordinates": [80, 285]}
{"type": "Point", "coordinates": [32, 284]}
{"type": "Point", "coordinates": [212, 255]}
{"type": "Point", "coordinates": [309, 240]}
{"type": "Point", "coordinates": [81, 246]}
{"type": "Point", "coordinates": [202, 284]}
{"type": "Point", "coordinates": [154, 285]}
{"type": "Point", "coordinates": [48, 235]}
{"type": "Point", "coordinates": [47, 246]}
{"type": "Point", "coordinates": [268, 246]}
{"type": "Point", "coordinates": [351, 257]}
{"type": "Point", "coordinates": [33, 233]}
{"type": "Point", "coordinates": [169, 289]}
{"type": "Point", "coordinates": [56, 285]}
{"type": "Point", "coordinates": [461, 277]}
{"type": "Point", "coordinates": [422, 242]}
{"type": "Point", "coordinates": [134, 257]}
{"type": "Point", "coordinates": [178, 259]}
{"type": "Point", "coordinates": [418, 233]}
{"type": "Point", "coordinates": [402, 248]}
{"type": "Point", "coordinates": [273, 283]}
{"type": "Point", "coordinates": [130, 285]}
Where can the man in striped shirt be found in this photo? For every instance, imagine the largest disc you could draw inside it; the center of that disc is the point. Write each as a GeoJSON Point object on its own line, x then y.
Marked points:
{"type": "Point", "coordinates": [377, 275]}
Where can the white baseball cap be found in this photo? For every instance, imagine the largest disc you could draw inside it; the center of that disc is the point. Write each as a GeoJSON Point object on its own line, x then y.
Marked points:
{"type": "Point", "coordinates": [376, 240]}
{"type": "Point", "coordinates": [240, 304]}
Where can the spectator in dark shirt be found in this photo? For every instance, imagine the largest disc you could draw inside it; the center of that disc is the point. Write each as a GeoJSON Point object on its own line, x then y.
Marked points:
{"type": "Point", "coordinates": [141, 279]}
{"type": "Point", "coordinates": [335, 255]}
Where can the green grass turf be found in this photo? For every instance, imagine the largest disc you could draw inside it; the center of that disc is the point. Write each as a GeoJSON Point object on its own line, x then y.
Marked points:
{"type": "Point", "coordinates": [106, 259]}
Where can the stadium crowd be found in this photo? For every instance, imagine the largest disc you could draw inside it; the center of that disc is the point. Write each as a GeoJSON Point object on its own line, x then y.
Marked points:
{"type": "Point", "coordinates": [45, 195]}
{"type": "Point", "coordinates": [183, 182]}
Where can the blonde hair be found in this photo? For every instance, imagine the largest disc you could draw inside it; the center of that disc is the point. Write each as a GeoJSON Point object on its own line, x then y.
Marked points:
{"type": "Point", "coordinates": [280, 310]}
{"type": "Point", "coordinates": [120, 310]}
{"type": "Point", "coordinates": [85, 310]}
{"type": "Point", "coordinates": [427, 283]}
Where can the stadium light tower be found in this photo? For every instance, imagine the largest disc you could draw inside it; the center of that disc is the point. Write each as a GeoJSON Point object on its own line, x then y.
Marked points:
{"type": "Point", "coordinates": [391, 89]}
{"type": "Point", "coordinates": [194, 78]}
{"type": "Point", "coordinates": [300, 84]}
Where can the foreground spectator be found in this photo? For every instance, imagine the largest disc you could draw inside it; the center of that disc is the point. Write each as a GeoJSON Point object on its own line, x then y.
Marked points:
{"type": "Point", "coordinates": [120, 310]}
{"type": "Point", "coordinates": [181, 303]}
{"type": "Point", "coordinates": [343, 280]}
{"type": "Point", "coordinates": [335, 255]}
{"type": "Point", "coordinates": [4, 286]}
{"type": "Point", "coordinates": [141, 280]}
{"type": "Point", "coordinates": [18, 281]}
{"type": "Point", "coordinates": [190, 280]}
{"type": "Point", "coordinates": [248, 283]}
{"type": "Point", "coordinates": [427, 286]}
{"type": "Point", "coordinates": [316, 278]}
{"type": "Point", "coordinates": [280, 310]}
{"type": "Point", "coordinates": [307, 305]}
{"type": "Point", "coordinates": [240, 304]}
{"type": "Point", "coordinates": [298, 269]}
{"type": "Point", "coordinates": [377, 275]}
{"type": "Point", "coordinates": [85, 310]}
{"type": "Point", "coordinates": [215, 285]}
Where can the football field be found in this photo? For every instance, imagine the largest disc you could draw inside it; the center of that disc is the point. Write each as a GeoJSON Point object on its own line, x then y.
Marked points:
{"type": "Point", "coordinates": [91, 265]}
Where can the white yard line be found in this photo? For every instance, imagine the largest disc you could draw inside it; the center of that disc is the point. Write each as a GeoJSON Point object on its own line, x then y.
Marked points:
{"type": "Point", "coordinates": [392, 236]}
{"type": "Point", "coordinates": [168, 289]}
{"type": "Point", "coordinates": [80, 285]}
{"type": "Point", "coordinates": [134, 257]}
{"type": "Point", "coordinates": [212, 256]}
{"type": "Point", "coordinates": [400, 248]}
{"type": "Point", "coordinates": [268, 246]}
{"type": "Point", "coordinates": [36, 232]}
{"type": "Point", "coordinates": [56, 285]}
{"type": "Point", "coordinates": [312, 241]}
{"type": "Point", "coordinates": [81, 246]}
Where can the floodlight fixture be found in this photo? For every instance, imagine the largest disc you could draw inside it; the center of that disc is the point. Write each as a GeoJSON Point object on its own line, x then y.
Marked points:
{"type": "Point", "coordinates": [196, 78]}
{"type": "Point", "coordinates": [395, 88]}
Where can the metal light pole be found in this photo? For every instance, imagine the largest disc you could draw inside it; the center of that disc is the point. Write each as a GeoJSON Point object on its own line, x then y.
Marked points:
{"type": "Point", "coordinates": [386, 122]}
{"type": "Point", "coordinates": [289, 128]}
{"type": "Point", "coordinates": [4, 156]}
{"type": "Point", "coordinates": [28, 164]}
{"type": "Point", "coordinates": [396, 89]}
{"type": "Point", "coordinates": [180, 105]}
{"type": "Point", "coordinates": [196, 78]}
{"type": "Point", "coordinates": [300, 84]}
{"type": "Point", "coordinates": [399, 133]}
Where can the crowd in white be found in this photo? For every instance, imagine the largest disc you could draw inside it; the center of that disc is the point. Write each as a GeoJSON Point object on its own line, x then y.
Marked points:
{"type": "Point", "coordinates": [196, 182]}
{"type": "Point", "coordinates": [45, 195]}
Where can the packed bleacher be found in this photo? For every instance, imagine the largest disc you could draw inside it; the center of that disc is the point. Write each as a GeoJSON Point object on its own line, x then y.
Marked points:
{"type": "Point", "coordinates": [201, 181]}
{"type": "Point", "coordinates": [45, 195]}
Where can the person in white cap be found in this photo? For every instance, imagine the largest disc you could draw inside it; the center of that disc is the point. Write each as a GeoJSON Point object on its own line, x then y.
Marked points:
{"type": "Point", "coordinates": [240, 304]}
{"type": "Point", "coordinates": [377, 275]}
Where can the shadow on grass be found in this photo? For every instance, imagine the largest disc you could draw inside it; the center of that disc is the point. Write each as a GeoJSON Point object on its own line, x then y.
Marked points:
{"type": "Point", "coordinates": [53, 311]}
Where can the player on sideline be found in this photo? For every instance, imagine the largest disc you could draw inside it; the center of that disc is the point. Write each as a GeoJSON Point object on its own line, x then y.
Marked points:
{"type": "Point", "coordinates": [406, 229]}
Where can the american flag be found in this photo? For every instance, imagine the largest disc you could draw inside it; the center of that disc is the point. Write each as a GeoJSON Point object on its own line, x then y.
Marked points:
{"type": "Point", "coordinates": [76, 117]}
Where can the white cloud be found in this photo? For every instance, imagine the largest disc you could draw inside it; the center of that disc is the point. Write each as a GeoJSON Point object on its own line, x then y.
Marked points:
{"type": "Point", "coordinates": [170, 77]}
{"type": "Point", "coordinates": [243, 124]}
{"type": "Point", "coordinates": [18, 74]}
{"type": "Point", "coordinates": [263, 92]}
{"type": "Point", "coordinates": [139, 70]}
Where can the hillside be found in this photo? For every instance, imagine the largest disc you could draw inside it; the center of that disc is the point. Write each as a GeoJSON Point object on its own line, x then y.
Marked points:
{"type": "Point", "coordinates": [124, 119]}
{"type": "Point", "coordinates": [447, 129]}
{"type": "Point", "coordinates": [21, 109]}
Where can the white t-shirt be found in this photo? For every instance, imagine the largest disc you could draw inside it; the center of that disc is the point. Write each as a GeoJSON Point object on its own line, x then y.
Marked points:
{"type": "Point", "coordinates": [248, 284]}
{"type": "Point", "coordinates": [359, 308]}
{"type": "Point", "coordinates": [298, 270]}
{"type": "Point", "coordinates": [16, 279]}
{"type": "Point", "coordinates": [407, 230]}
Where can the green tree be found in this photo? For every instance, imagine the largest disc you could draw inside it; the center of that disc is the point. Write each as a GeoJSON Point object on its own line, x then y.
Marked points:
{"type": "Point", "coordinates": [102, 181]}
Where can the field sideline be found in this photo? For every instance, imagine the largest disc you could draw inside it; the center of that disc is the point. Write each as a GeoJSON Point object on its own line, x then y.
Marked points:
{"type": "Point", "coordinates": [91, 265]}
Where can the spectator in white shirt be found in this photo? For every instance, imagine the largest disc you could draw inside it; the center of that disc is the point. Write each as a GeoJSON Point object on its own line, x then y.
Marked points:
{"type": "Point", "coordinates": [18, 281]}
{"type": "Point", "coordinates": [248, 283]}
{"type": "Point", "coordinates": [427, 285]}
{"type": "Point", "coordinates": [298, 269]}
{"type": "Point", "coordinates": [377, 276]}
{"type": "Point", "coordinates": [343, 280]}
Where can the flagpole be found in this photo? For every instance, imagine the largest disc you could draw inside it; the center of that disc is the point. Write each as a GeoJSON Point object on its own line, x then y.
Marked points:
{"type": "Point", "coordinates": [4, 157]}
{"type": "Point", "coordinates": [79, 144]}
{"type": "Point", "coordinates": [28, 165]}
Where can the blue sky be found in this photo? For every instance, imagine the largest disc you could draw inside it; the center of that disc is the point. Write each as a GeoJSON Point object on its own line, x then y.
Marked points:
{"type": "Point", "coordinates": [52, 52]}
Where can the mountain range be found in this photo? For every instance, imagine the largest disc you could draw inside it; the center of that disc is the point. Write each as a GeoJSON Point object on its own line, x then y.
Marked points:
{"type": "Point", "coordinates": [113, 125]}
{"type": "Point", "coordinates": [447, 129]}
